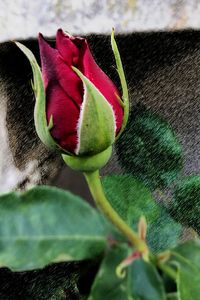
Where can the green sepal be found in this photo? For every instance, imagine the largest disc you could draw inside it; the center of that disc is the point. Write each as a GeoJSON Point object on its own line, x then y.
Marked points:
{"type": "Point", "coordinates": [120, 70]}
{"type": "Point", "coordinates": [88, 163]}
{"type": "Point", "coordinates": [42, 128]}
{"type": "Point", "coordinates": [50, 125]}
{"type": "Point", "coordinates": [96, 125]}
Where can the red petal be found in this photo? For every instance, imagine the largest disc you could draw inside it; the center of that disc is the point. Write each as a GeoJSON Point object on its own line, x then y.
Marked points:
{"type": "Point", "coordinates": [103, 83]}
{"type": "Point", "coordinates": [56, 70]}
{"type": "Point", "coordinates": [64, 91]}
{"type": "Point", "coordinates": [65, 117]}
{"type": "Point", "coordinates": [66, 48]}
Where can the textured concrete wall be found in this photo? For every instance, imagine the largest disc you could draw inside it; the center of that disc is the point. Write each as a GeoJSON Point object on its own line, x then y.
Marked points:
{"type": "Point", "coordinates": [24, 18]}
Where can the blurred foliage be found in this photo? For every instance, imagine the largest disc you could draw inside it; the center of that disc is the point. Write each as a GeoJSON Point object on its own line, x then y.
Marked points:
{"type": "Point", "coordinates": [131, 199]}
{"type": "Point", "coordinates": [149, 150]}
{"type": "Point", "coordinates": [185, 204]}
{"type": "Point", "coordinates": [164, 233]}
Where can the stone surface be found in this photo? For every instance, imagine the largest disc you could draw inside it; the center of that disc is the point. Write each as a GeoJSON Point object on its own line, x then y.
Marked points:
{"type": "Point", "coordinates": [24, 19]}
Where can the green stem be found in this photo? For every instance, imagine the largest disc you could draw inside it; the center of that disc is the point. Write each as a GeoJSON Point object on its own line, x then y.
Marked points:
{"type": "Point", "coordinates": [96, 189]}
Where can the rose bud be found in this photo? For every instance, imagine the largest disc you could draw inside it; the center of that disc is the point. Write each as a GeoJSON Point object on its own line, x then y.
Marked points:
{"type": "Point", "coordinates": [78, 108]}
{"type": "Point", "coordinates": [84, 107]}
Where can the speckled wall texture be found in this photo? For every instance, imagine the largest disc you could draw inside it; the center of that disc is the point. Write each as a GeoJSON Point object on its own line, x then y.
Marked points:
{"type": "Point", "coordinates": [23, 18]}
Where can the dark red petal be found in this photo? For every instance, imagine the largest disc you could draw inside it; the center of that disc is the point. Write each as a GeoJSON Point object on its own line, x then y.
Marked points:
{"type": "Point", "coordinates": [67, 49]}
{"type": "Point", "coordinates": [93, 72]}
{"type": "Point", "coordinates": [64, 92]}
{"type": "Point", "coordinates": [54, 69]}
{"type": "Point", "coordinates": [70, 82]}
{"type": "Point", "coordinates": [47, 53]}
{"type": "Point", "coordinates": [65, 117]}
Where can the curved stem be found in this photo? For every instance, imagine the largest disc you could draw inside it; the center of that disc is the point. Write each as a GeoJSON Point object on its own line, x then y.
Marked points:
{"type": "Point", "coordinates": [96, 189]}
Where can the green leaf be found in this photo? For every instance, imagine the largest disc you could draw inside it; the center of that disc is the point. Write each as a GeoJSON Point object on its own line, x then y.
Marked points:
{"type": "Point", "coordinates": [186, 258]}
{"type": "Point", "coordinates": [107, 284]}
{"type": "Point", "coordinates": [185, 205]}
{"type": "Point", "coordinates": [42, 128]}
{"type": "Point", "coordinates": [148, 149]}
{"type": "Point", "coordinates": [189, 250]}
{"type": "Point", "coordinates": [132, 199]}
{"type": "Point", "coordinates": [188, 287]}
{"type": "Point", "coordinates": [146, 282]}
{"type": "Point", "coordinates": [96, 125]}
{"type": "Point", "coordinates": [47, 225]}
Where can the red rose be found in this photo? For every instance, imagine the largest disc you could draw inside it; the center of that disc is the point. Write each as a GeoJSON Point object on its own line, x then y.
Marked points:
{"type": "Point", "coordinates": [66, 90]}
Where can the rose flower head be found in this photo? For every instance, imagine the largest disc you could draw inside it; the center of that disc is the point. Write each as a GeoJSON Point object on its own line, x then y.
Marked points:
{"type": "Point", "coordinates": [78, 110]}
{"type": "Point", "coordinates": [81, 125]}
